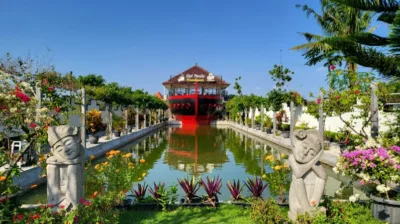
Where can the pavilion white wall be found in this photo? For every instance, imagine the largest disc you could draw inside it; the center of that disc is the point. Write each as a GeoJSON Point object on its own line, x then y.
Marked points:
{"type": "Point", "coordinates": [332, 123]}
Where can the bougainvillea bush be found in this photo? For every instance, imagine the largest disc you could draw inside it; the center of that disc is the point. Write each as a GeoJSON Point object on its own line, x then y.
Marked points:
{"type": "Point", "coordinates": [373, 166]}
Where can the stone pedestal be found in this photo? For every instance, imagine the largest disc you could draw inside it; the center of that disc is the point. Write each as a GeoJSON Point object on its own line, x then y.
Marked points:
{"type": "Point", "coordinates": [65, 169]}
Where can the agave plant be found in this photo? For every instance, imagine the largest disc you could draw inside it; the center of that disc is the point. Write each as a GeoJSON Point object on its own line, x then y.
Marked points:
{"type": "Point", "coordinates": [212, 188]}
{"type": "Point", "coordinates": [256, 186]}
{"type": "Point", "coordinates": [190, 187]}
{"type": "Point", "coordinates": [140, 192]}
{"type": "Point", "coordinates": [157, 191]}
{"type": "Point", "coordinates": [235, 189]}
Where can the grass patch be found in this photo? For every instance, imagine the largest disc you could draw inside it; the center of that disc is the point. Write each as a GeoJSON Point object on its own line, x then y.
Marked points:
{"type": "Point", "coordinates": [223, 214]}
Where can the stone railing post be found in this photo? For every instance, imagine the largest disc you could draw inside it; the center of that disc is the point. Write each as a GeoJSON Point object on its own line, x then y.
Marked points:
{"type": "Point", "coordinates": [83, 118]}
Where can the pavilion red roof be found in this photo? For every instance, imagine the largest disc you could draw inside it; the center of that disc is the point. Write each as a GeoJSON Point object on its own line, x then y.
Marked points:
{"type": "Point", "coordinates": [199, 72]}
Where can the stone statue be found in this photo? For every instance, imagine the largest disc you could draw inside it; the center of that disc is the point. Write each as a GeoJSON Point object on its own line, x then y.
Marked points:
{"type": "Point", "coordinates": [66, 167]}
{"type": "Point", "coordinates": [308, 176]}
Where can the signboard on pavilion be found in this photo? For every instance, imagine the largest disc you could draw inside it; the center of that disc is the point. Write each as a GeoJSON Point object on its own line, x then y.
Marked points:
{"type": "Point", "coordinates": [196, 78]}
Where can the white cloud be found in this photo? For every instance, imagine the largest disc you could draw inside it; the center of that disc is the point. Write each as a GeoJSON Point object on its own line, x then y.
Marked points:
{"type": "Point", "coordinates": [258, 87]}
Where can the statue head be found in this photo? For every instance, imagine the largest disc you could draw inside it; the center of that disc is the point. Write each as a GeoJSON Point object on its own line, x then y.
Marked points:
{"type": "Point", "coordinates": [307, 144]}
{"type": "Point", "coordinates": [64, 141]}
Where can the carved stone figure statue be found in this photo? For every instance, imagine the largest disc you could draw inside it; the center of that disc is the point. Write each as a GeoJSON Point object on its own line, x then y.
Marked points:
{"type": "Point", "coordinates": [308, 176]}
{"type": "Point", "coordinates": [65, 169]}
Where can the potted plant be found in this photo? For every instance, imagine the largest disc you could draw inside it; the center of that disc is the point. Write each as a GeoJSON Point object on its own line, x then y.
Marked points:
{"type": "Point", "coordinates": [376, 168]}
{"type": "Point", "coordinates": [117, 125]}
{"type": "Point", "coordinates": [279, 179]}
{"type": "Point", "coordinates": [256, 186]}
{"type": "Point", "coordinates": [212, 187]}
{"type": "Point", "coordinates": [285, 130]}
{"type": "Point", "coordinates": [190, 187]}
{"type": "Point", "coordinates": [93, 125]}
{"type": "Point", "coordinates": [268, 125]}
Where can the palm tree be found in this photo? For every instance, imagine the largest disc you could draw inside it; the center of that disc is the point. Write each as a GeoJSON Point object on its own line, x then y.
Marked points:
{"type": "Point", "coordinates": [362, 47]}
{"type": "Point", "coordinates": [336, 20]}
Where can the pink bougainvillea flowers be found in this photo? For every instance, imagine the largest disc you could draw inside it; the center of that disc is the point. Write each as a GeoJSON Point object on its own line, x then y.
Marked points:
{"type": "Point", "coordinates": [319, 101]}
{"type": "Point", "coordinates": [332, 67]}
{"type": "Point", "coordinates": [33, 125]}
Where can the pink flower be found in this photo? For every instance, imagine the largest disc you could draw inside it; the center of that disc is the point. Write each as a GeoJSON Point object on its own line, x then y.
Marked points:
{"type": "Point", "coordinates": [57, 110]}
{"type": "Point", "coordinates": [51, 88]}
{"type": "Point", "coordinates": [36, 216]}
{"type": "Point", "coordinates": [332, 67]}
{"type": "Point", "coordinates": [62, 206]}
{"type": "Point", "coordinates": [319, 101]}
{"type": "Point", "coordinates": [50, 205]}
{"type": "Point", "coordinates": [82, 200]}
{"type": "Point", "coordinates": [338, 97]}
{"type": "Point", "coordinates": [33, 125]}
{"type": "Point", "coordinates": [362, 182]}
{"type": "Point", "coordinates": [87, 203]}
{"type": "Point", "coordinates": [44, 82]}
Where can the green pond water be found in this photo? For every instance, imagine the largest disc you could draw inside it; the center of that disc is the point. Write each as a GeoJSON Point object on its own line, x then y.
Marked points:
{"type": "Point", "coordinates": [172, 153]}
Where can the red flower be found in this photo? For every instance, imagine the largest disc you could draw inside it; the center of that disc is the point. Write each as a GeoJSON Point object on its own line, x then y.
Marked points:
{"type": "Point", "coordinates": [51, 88]}
{"type": "Point", "coordinates": [43, 206]}
{"type": "Point", "coordinates": [3, 107]}
{"type": "Point", "coordinates": [62, 206]}
{"type": "Point", "coordinates": [125, 191]}
{"type": "Point", "coordinates": [57, 110]}
{"type": "Point", "coordinates": [36, 216]}
{"type": "Point", "coordinates": [22, 96]}
{"type": "Point", "coordinates": [82, 200]}
{"type": "Point", "coordinates": [44, 82]}
{"type": "Point", "coordinates": [332, 67]}
{"type": "Point", "coordinates": [87, 203]}
{"type": "Point", "coordinates": [346, 141]}
{"type": "Point", "coordinates": [18, 217]}
{"type": "Point", "coordinates": [319, 101]}
{"type": "Point", "coordinates": [357, 91]}
{"type": "Point", "coordinates": [76, 219]}
{"type": "Point", "coordinates": [33, 125]}
{"type": "Point", "coordinates": [50, 205]}
{"type": "Point", "coordinates": [338, 97]}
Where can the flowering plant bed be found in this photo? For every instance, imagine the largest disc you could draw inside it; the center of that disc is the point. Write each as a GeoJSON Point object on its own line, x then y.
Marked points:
{"type": "Point", "coordinates": [376, 168]}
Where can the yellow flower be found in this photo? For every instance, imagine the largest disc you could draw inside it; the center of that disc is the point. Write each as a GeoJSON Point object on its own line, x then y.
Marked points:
{"type": "Point", "coordinates": [139, 179]}
{"type": "Point", "coordinates": [97, 166]}
{"type": "Point", "coordinates": [128, 155]}
{"type": "Point", "coordinates": [277, 168]}
{"type": "Point", "coordinates": [285, 165]}
{"type": "Point", "coordinates": [33, 186]}
{"type": "Point", "coordinates": [264, 176]}
{"type": "Point", "coordinates": [142, 161]}
{"type": "Point", "coordinates": [283, 156]}
{"type": "Point", "coordinates": [143, 174]}
{"type": "Point", "coordinates": [41, 159]}
{"type": "Point", "coordinates": [117, 152]}
{"type": "Point", "coordinates": [117, 170]}
{"type": "Point", "coordinates": [2, 178]}
{"type": "Point", "coordinates": [92, 157]}
{"type": "Point", "coordinates": [110, 156]}
{"type": "Point", "coordinates": [269, 158]}
{"type": "Point", "coordinates": [131, 165]}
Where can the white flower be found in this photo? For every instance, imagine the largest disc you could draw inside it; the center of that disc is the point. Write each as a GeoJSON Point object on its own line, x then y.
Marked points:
{"type": "Point", "coordinates": [394, 178]}
{"type": "Point", "coordinates": [371, 143]}
{"type": "Point", "coordinates": [13, 109]}
{"type": "Point", "coordinates": [382, 188]}
{"type": "Point", "coordinates": [365, 177]}
{"type": "Point", "coordinates": [354, 198]}
{"type": "Point", "coordinates": [339, 192]}
{"type": "Point", "coordinates": [335, 170]}
{"type": "Point", "coordinates": [44, 110]}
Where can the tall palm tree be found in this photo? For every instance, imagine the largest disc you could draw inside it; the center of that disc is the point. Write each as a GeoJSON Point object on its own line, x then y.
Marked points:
{"type": "Point", "coordinates": [335, 20]}
{"type": "Point", "coordinates": [362, 47]}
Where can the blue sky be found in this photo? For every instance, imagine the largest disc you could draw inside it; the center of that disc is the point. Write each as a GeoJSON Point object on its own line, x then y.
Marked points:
{"type": "Point", "coordinates": [142, 43]}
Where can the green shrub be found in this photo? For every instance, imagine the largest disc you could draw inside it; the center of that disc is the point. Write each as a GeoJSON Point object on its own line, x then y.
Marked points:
{"type": "Point", "coordinates": [268, 211]}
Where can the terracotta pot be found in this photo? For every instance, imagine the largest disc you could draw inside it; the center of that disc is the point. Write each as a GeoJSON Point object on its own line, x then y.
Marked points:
{"type": "Point", "coordinates": [385, 209]}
